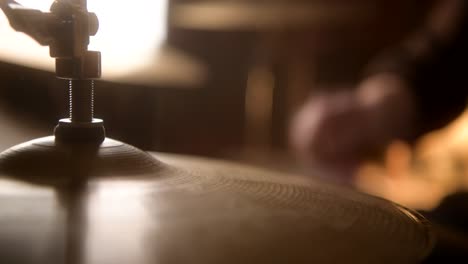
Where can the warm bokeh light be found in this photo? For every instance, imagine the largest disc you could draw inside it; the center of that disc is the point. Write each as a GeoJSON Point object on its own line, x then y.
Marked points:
{"type": "Point", "coordinates": [421, 176]}
{"type": "Point", "coordinates": [129, 35]}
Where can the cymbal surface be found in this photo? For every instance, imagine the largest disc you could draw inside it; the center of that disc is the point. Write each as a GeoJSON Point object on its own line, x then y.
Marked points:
{"type": "Point", "coordinates": [195, 210]}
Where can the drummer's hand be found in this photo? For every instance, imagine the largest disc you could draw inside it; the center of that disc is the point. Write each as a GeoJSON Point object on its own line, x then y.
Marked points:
{"type": "Point", "coordinates": [336, 131]}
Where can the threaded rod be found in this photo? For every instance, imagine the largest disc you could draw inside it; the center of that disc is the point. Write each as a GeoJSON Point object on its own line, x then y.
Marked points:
{"type": "Point", "coordinates": [81, 100]}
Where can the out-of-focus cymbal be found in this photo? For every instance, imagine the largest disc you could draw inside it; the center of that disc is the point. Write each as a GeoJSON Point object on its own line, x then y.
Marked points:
{"type": "Point", "coordinates": [267, 15]}
{"type": "Point", "coordinates": [180, 209]}
{"type": "Point", "coordinates": [133, 50]}
{"type": "Point", "coordinates": [170, 67]}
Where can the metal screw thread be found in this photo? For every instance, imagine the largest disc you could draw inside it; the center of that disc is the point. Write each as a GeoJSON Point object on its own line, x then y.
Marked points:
{"type": "Point", "coordinates": [70, 99]}
{"type": "Point", "coordinates": [92, 100]}
{"type": "Point", "coordinates": [81, 100]}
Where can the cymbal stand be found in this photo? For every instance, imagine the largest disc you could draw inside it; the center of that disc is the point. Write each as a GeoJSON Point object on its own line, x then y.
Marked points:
{"type": "Point", "coordinates": [79, 149]}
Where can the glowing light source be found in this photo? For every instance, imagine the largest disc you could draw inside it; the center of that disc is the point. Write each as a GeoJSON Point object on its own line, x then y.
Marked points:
{"type": "Point", "coordinates": [129, 36]}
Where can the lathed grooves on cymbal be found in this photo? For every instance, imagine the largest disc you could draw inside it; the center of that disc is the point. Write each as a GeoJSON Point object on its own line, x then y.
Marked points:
{"type": "Point", "coordinates": [48, 162]}
{"type": "Point", "coordinates": [195, 210]}
{"type": "Point", "coordinates": [343, 210]}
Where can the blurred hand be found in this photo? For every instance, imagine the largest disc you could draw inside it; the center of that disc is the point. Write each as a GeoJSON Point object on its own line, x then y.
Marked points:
{"type": "Point", "coordinates": [335, 131]}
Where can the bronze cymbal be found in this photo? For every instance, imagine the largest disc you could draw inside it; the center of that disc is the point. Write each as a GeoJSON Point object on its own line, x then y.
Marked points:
{"type": "Point", "coordinates": [267, 15]}
{"type": "Point", "coordinates": [79, 198]}
{"type": "Point", "coordinates": [179, 209]}
{"type": "Point", "coordinates": [170, 66]}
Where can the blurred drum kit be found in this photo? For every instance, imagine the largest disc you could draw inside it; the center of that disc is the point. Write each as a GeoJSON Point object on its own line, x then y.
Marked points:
{"type": "Point", "coordinates": [78, 197]}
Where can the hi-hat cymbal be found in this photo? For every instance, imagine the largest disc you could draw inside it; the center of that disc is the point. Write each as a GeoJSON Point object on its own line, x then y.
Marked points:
{"type": "Point", "coordinates": [179, 209]}
{"type": "Point", "coordinates": [267, 15]}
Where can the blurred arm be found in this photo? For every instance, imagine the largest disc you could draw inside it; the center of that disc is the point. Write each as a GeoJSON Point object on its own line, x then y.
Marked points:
{"type": "Point", "coordinates": [432, 64]}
